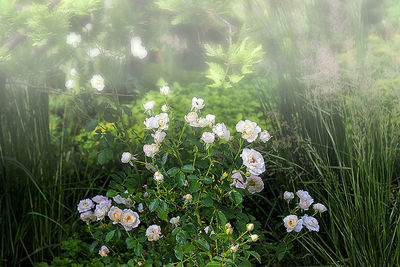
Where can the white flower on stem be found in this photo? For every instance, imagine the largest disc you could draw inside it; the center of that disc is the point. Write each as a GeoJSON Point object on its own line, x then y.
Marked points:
{"type": "Point", "coordinates": [234, 248]}
{"type": "Point", "coordinates": [310, 222]}
{"type": "Point", "coordinates": [151, 150]}
{"type": "Point", "coordinates": [99, 198]}
{"type": "Point", "coordinates": [140, 207]}
{"type": "Point", "coordinates": [253, 160]}
{"type": "Point", "coordinates": [120, 200]}
{"type": "Point", "coordinates": [151, 123]}
{"type": "Point", "coordinates": [153, 232]}
{"type": "Point", "coordinates": [158, 177]}
{"type": "Point", "coordinates": [221, 131]}
{"type": "Point", "coordinates": [228, 229]}
{"type": "Point", "coordinates": [250, 227]}
{"type": "Point", "coordinates": [115, 214]}
{"type": "Point", "coordinates": [197, 103]}
{"type": "Point", "coordinates": [164, 108]}
{"type": "Point", "coordinates": [148, 106]}
{"type": "Point", "coordinates": [175, 221]}
{"type": "Point", "coordinates": [320, 207]}
{"type": "Point", "coordinates": [201, 122]}
{"type": "Point", "coordinates": [192, 118]}
{"type": "Point", "coordinates": [208, 138]}
{"type": "Point", "coordinates": [93, 52]}
{"type": "Point", "coordinates": [265, 136]}
{"type": "Point", "coordinates": [97, 82]}
{"type": "Point", "coordinates": [288, 196]}
{"type": "Point", "coordinates": [254, 184]}
{"type": "Point", "coordinates": [87, 28]}
{"type": "Point", "coordinates": [254, 238]}
{"type": "Point", "coordinates": [305, 199]}
{"type": "Point", "coordinates": [104, 251]}
{"type": "Point", "coordinates": [73, 72]}
{"type": "Point", "coordinates": [238, 180]}
{"type": "Point", "coordinates": [248, 129]}
{"type": "Point", "coordinates": [210, 119]}
{"type": "Point", "coordinates": [292, 222]}
{"type": "Point", "coordinates": [129, 219]}
{"type": "Point", "coordinates": [207, 229]}
{"type": "Point", "coordinates": [137, 49]}
{"type": "Point", "coordinates": [85, 205]}
{"type": "Point", "coordinates": [159, 136]}
{"type": "Point", "coordinates": [187, 198]}
{"type": "Point", "coordinates": [102, 209]}
{"type": "Point", "coordinates": [164, 90]}
{"type": "Point", "coordinates": [74, 39]}
{"type": "Point", "coordinates": [127, 158]}
{"type": "Point", "coordinates": [69, 84]}
{"type": "Point", "coordinates": [88, 216]}
{"type": "Point", "coordinates": [162, 121]}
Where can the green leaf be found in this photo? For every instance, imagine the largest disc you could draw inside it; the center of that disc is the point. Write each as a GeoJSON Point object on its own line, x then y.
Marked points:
{"type": "Point", "coordinates": [91, 125]}
{"type": "Point", "coordinates": [127, 110]}
{"type": "Point", "coordinates": [213, 264]}
{"type": "Point", "coordinates": [173, 171]}
{"type": "Point", "coordinates": [188, 168]}
{"type": "Point", "coordinates": [255, 255]}
{"type": "Point", "coordinates": [206, 180]}
{"type": "Point", "coordinates": [194, 186]}
{"type": "Point", "coordinates": [138, 249]}
{"type": "Point", "coordinates": [110, 235]}
{"type": "Point", "coordinates": [163, 206]}
{"type": "Point", "coordinates": [190, 228]}
{"type": "Point", "coordinates": [154, 204]}
{"type": "Point", "coordinates": [162, 215]}
{"type": "Point", "coordinates": [208, 202]}
{"type": "Point", "coordinates": [192, 177]}
{"type": "Point", "coordinates": [203, 244]}
{"type": "Point", "coordinates": [180, 179]}
{"type": "Point", "coordinates": [111, 193]}
{"type": "Point", "coordinates": [281, 255]}
{"type": "Point", "coordinates": [130, 242]}
{"type": "Point", "coordinates": [164, 158]}
{"type": "Point", "coordinates": [236, 197]}
{"type": "Point", "coordinates": [221, 218]}
{"type": "Point", "coordinates": [179, 252]}
{"type": "Point", "coordinates": [93, 246]}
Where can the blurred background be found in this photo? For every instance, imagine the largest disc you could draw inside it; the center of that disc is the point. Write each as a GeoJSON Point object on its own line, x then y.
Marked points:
{"type": "Point", "coordinates": [321, 75]}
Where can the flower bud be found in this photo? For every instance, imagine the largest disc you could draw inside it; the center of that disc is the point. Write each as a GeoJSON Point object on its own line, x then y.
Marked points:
{"type": "Point", "coordinates": [224, 174]}
{"type": "Point", "coordinates": [247, 174]}
{"type": "Point", "coordinates": [254, 238]}
{"type": "Point", "coordinates": [250, 227]}
{"type": "Point", "coordinates": [229, 231]}
{"type": "Point", "coordinates": [234, 249]}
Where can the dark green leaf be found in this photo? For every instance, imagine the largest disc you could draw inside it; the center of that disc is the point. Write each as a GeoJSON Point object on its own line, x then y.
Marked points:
{"type": "Point", "coordinates": [221, 218]}
{"type": "Point", "coordinates": [236, 197]}
{"type": "Point", "coordinates": [192, 178]}
{"type": "Point", "coordinates": [162, 215]}
{"type": "Point", "coordinates": [130, 242]}
{"type": "Point", "coordinates": [255, 255]}
{"type": "Point", "coordinates": [173, 171]}
{"type": "Point", "coordinates": [208, 202]}
{"type": "Point", "coordinates": [111, 193]}
{"type": "Point", "coordinates": [110, 235]}
{"type": "Point", "coordinates": [154, 204]}
{"type": "Point", "coordinates": [180, 179]}
{"type": "Point", "coordinates": [194, 186]}
{"type": "Point", "coordinates": [203, 244]}
{"type": "Point", "coordinates": [90, 125]}
{"type": "Point", "coordinates": [188, 168]}
{"type": "Point", "coordinates": [190, 228]}
{"type": "Point", "coordinates": [164, 158]}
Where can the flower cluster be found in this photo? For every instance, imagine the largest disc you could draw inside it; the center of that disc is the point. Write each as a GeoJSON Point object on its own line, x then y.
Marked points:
{"type": "Point", "coordinates": [292, 221]}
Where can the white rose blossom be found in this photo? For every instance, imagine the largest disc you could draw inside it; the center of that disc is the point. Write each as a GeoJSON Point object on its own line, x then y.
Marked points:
{"type": "Point", "coordinates": [151, 123]}
{"type": "Point", "coordinates": [115, 214]}
{"type": "Point", "coordinates": [253, 160]}
{"type": "Point", "coordinates": [254, 184]}
{"type": "Point", "coordinates": [192, 118]}
{"type": "Point", "coordinates": [254, 238]}
{"type": "Point", "coordinates": [207, 229]}
{"type": "Point", "coordinates": [210, 119]}
{"type": "Point", "coordinates": [74, 39]}
{"type": "Point", "coordinates": [87, 28]}
{"type": "Point", "coordinates": [102, 209]}
{"type": "Point", "coordinates": [104, 251]}
{"type": "Point", "coordinates": [164, 108]}
{"type": "Point", "coordinates": [238, 180]}
{"type": "Point", "coordinates": [201, 122]}
{"type": "Point", "coordinates": [93, 52]}
{"type": "Point", "coordinates": [158, 177]}
{"type": "Point", "coordinates": [234, 248]}
{"type": "Point", "coordinates": [69, 84]}
{"type": "Point", "coordinates": [97, 82]}
{"type": "Point", "coordinates": [248, 129]}
{"type": "Point", "coordinates": [320, 207]}
{"type": "Point", "coordinates": [197, 103]}
{"type": "Point", "coordinates": [137, 49]}
{"type": "Point", "coordinates": [305, 199]}
{"type": "Point", "coordinates": [292, 222]}
{"type": "Point", "coordinates": [159, 136]}
{"type": "Point", "coordinates": [88, 216]}
{"type": "Point", "coordinates": [73, 72]}
{"type": "Point", "coordinates": [148, 106]}
{"type": "Point", "coordinates": [288, 196]}
{"type": "Point", "coordinates": [221, 131]}
{"type": "Point", "coordinates": [153, 233]}
{"type": "Point", "coordinates": [265, 136]}
{"type": "Point", "coordinates": [208, 138]}
{"type": "Point", "coordinates": [85, 205]}
{"type": "Point", "coordinates": [187, 198]}
{"type": "Point", "coordinates": [162, 121]}
{"type": "Point", "coordinates": [99, 198]}
{"type": "Point", "coordinates": [310, 222]}
{"type": "Point", "coordinates": [127, 158]}
{"type": "Point", "coordinates": [164, 90]}
{"type": "Point", "coordinates": [151, 150]}
{"type": "Point", "coordinates": [120, 200]}
{"type": "Point", "coordinates": [140, 207]}
{"type": "Point", "coordinates": [129, 219]}
{"type": "Point", "coordinates": [175, 221]}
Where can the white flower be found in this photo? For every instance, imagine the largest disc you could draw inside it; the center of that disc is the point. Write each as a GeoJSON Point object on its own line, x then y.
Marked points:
{"type": "Point", "coordinates": [73, 72]}
{"type": "Point", "coordinates": [201, 122]}
{"type": "Point", "coordinates": [208, 138]}
{"type": "Point", "coordinates": [221, 131]}
{"type": "Point", "coordinates": [210, 119]}
{"type": "Point", "coordinates": [293, 223]}
{"type": "Point", "coordinates": [88, 216]}
{"type": "Point", "coordinates": [150, 150]}
{"type": "Point", "coordinates": [159, 137]}
{"type": "Point", "coordinates": [265, 136]}
{"type": "Point", "coordinates": [140, 207]}
{"type": "Point", "coordinates": [85, 205]}
{"type": "Point", "coordinates": [164, 108]}
{"type": "Point", "coordinates": [115, 214]}
{"type": "Point", "coordinates": [197, 103]}
{"type": "Point", "coordinates": [153, 232]}
{"type": "Point", "coordinates": [192, 118]}
{"type": "Point", "coordinates": [69, 84]}
{"type": "Point", "coordinates": [104, 251]}
{"type": "Point", "coordinates": [234, 248]}
{"type": "Point", "coordinates": [288, 196]}
{"type": "Point", "coordinates": [94, 52]}
{"type": "Point", "coordinates": [74, 39]}
{"type": "Point", "coordinates": [151, 123]}
{"type": "Point", "coordinates": [175, 221]}
{"type": "Point", "coordinates": [254, 184]}
{"type": "Point", "coordinates": [158, 177]}
{"type": "Point", "coordinates": [305, 199]}
{"type": "Point", "coordinates": [162, 121]}
{"type": "Point", "coordinates": [87, 28]}
{"type": "Point", "coordinates": [99, 198]}
{"type": "Point", "coordinates": [120, 200]}
{"type": "Point", "coordinates": [310, 222]}
{"type": "Point", "coordinates": [127, 158]}
{"type": "Point", "coordinates": [129, 219]}
{"type": "Point", "coordinates": [320, 207]}
{"type": "Point", "coordinates": [164, 90]}
{"type": "Point", "coordinates": [238, 180]}
{"type": "Point", "coordinates": [101, 209]}
{"type": "Point", "coordinates": [187, 198]}
{"type": "Point", "coordinates": [228, 229]}
{"type": "Point", "coordinates": [250, 227]}
{"type": "Point", "coordinates": [97, 82]}
{"type": "Point", "coordinates": [148, 106]}
{"type": "Point", "coordinates": [248, 129]}
{"type": "Point", "coordinates": [253, 160]}
{"type": "Point", "coordinates": [207, 229]}
{"type": "Point", "coordinates": [137, 49]}
{"type": "Point", "coordinates": [254, 238]}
